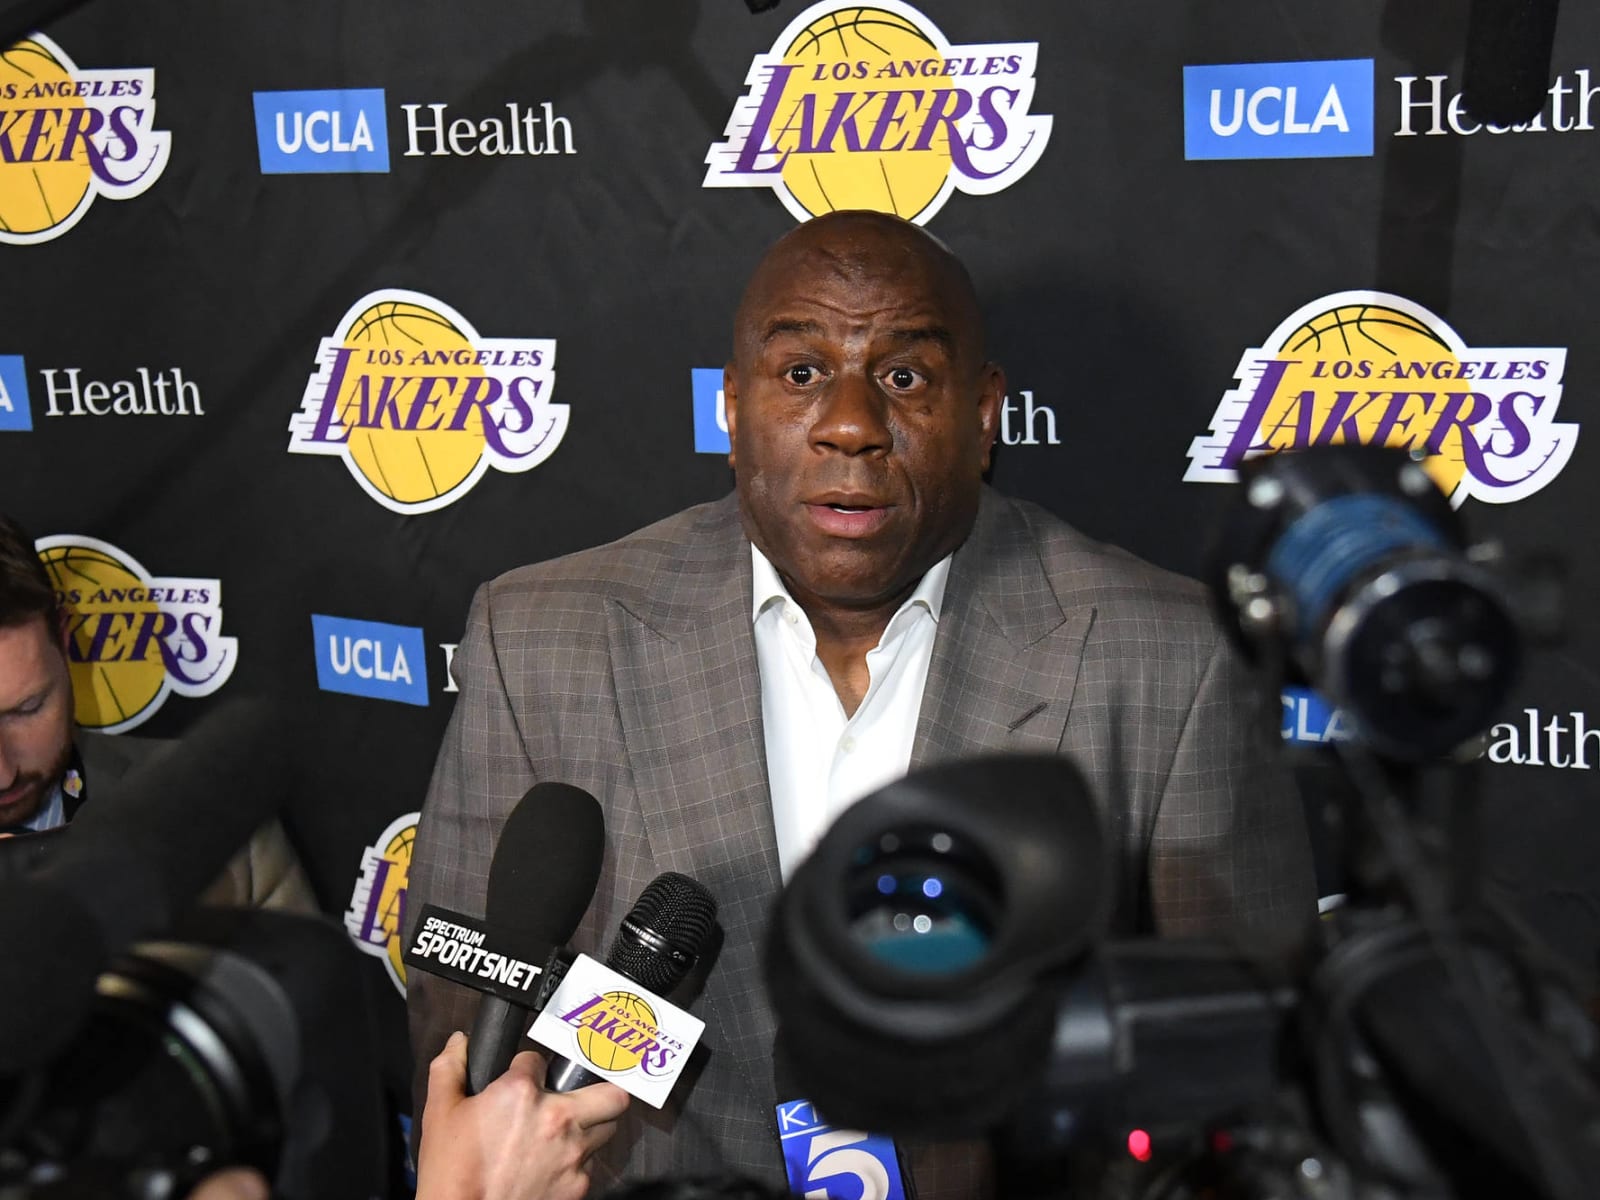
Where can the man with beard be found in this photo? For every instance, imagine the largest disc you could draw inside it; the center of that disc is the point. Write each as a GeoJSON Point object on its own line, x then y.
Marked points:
{"type": "Point", "coordinates": [728, 680]}
{"type": "Point", "coordinates": [49, 768]}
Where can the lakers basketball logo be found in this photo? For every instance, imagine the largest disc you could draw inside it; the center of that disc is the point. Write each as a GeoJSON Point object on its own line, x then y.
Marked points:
{"type": "Point", "coordinates": [869, 106]}
{"type": "Point", "coordinates": [420, 406]}
{"type": "Point", "coordinates": [1378, 369]}
{"type": "Point", "coordinates": [377, 913]}
{"type": "Point", "coordinates": [68, 135]}
{"type": "Point", "coordinates": [134, 638]}
{"type": "Point", "coordinates": [618, 1031]}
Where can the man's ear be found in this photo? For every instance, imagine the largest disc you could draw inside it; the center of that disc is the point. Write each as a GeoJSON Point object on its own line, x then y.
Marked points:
{"type": "Point", "coordinates": [730, 407]}
{"type": "Point", "coordinates": [991, 395]}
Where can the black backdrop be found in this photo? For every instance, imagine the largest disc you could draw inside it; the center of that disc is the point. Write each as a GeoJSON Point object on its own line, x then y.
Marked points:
{"type": "Point", "coordinates": [1125, 276]}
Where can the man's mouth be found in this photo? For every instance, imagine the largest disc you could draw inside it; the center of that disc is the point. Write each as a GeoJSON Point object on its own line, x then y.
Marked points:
{"type": "Point", "coordinates": [847, 516]}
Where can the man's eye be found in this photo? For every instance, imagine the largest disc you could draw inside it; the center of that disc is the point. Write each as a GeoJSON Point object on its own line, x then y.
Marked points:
{"type": "Point", "coordinates": [800, 374]}
{"type": "Point", "coordinates": [903, 378]}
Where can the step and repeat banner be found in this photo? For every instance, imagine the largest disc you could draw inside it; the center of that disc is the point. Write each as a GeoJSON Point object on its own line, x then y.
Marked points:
{"type": "Point", "coordinates": [316, 315]}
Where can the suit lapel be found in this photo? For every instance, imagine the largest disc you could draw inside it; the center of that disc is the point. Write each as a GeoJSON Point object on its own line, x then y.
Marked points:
{"type": "Point", "coordinates": [1005, 661]}
{"type": "Point", "coordinates": [689, 694]}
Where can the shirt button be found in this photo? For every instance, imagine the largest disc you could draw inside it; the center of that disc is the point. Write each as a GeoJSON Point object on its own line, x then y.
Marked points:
{"type": "Point", "coordinates": [848, 745]}
{"type": "Point", "coordinates": [791, 616]}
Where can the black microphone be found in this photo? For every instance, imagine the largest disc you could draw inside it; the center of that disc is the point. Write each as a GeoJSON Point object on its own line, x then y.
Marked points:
{"type": "Point", "coordinates": [658, 943]}
{"type": "Point", "coordinates": [542, 877]}
{"type": "Point", "coordinates": [1505, 74]}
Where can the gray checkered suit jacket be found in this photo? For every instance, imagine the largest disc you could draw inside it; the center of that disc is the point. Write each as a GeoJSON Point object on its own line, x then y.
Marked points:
{"type": "Point", "coordinates": [630, 671]}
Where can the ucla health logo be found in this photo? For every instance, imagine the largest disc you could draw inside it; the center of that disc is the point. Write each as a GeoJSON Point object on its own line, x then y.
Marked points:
{"type": "Point", "coordinates": [420, 406]}
{"type": "Point", "coordinates": [322, 132]}
{"type": "Point", "coordinates": [370, 658]}
{"type": "Point", "coordinates": [1377, 369]}
{"type": "Point", "coordinates": [377, 913]}
{"type": "Point", "coordinates": [68, 135]}
{"type": "Point", "coordinates": [710, 413]}
{"type": "Point", "coordinates": [1022, 421]}
{"type": "Point", "coordinates": [134, 638]}
{"type": "Point", "coordinates": [869, 106]}
{"type": "Point", "coordinates": [1279, 110]}
{"type": "Point", "coordinates": [15, 412]}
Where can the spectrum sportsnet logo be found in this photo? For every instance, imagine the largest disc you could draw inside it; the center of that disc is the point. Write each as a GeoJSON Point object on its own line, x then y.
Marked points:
{"type": "Point", "coordinates": [870, 107]}
{"type": "Point", "coordinates": [68, 135]}
{"type": "Point", "coordinates": [420, 406]}
{"type": "Point", "coordinates": [1378, 369]}
{"type": "Point", "coordinates": [134, 638]}
{"type": "Point", "coordinates": [377, 911]}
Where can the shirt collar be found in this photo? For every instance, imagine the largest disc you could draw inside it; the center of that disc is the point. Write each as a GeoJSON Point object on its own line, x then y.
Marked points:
{"type": "Point", "coordinates": [51, 813]}
{"type": "Point", "coordinates": [768, 588]}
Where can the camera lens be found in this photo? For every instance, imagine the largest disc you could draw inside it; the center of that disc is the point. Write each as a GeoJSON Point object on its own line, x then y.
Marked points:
{"type": "Point", "coordinates": [923, 905]}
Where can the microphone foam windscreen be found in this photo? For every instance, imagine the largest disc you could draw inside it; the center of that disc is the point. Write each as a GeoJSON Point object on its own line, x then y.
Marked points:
{"type": "Point", "coordinates": [546, 863]}
{"type": "Point", "coordinates": [1505, 73]}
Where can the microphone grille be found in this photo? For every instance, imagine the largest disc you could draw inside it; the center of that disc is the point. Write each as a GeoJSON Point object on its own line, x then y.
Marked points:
{"type": "Point", "coordinates": [675, 910]}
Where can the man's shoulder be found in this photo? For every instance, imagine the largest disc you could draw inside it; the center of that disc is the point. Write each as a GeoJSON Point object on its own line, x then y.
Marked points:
{"type": "Point", "coordinates": [110, 756]}
{"type": "Point", "coordinates": [1083, 571]}
{"type": "Point", "coordinates": [703, 539]}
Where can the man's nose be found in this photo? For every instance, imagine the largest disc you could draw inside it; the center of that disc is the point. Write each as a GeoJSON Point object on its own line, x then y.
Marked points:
{"type": "Point", "coordinates": [853, 417]}
{"type": "Point", "coordinates": [8, 766]}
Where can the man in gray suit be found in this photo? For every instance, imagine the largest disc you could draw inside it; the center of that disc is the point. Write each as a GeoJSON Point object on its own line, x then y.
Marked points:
{"type": "Point", "coordinates": [726, 680]}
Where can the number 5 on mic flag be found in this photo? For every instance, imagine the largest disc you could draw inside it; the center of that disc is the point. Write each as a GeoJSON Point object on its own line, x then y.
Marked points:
{"type": "Point", "coordinates": [631, 1037]}
{"type": "Point", "coordinates": [825, 1163]}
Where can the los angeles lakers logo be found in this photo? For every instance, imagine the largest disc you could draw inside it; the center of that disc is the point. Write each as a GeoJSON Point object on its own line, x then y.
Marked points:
{"type": "Point", "coordinates": [1378, 369]}
{"type": "Point", "coordinates": [134, 638]}
{"type": "Point", "coordinates": [618, 1031]}
{"type": "Point", "coordinates": [420, 406]}
{"type": "Point", "coordinates": [68, 135]}
{"type": "Point", "coordinates": [869, 106]}
{"type": "Point", "coordinates": [377, 911]}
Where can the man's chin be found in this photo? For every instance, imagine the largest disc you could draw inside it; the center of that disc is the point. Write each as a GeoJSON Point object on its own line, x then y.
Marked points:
{"type": "Point", "coordinates": [21, 804]}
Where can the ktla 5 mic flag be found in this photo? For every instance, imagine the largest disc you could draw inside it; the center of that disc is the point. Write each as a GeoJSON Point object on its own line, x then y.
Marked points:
{"type": "Point", "coordinates": [608, 1023]}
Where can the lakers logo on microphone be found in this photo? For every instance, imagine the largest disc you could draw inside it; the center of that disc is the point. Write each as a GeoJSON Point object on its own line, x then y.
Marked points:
{"type": "Point", "coordinates": [134, 638]}
{"type": "Point", "coordinates": [68, 135]}
{"type": "Point", "coordinates": [419, 406]}
{"type": "Point", "coordinates": [1374, 368]}
{"type": "Point", "coordinates": [869, 106]}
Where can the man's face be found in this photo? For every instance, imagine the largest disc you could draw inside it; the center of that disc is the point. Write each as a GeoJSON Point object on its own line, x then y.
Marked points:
{"type": "Point", "coordinates": [35, 716]}
{"type": "Point", "coordinates": [859, 411]}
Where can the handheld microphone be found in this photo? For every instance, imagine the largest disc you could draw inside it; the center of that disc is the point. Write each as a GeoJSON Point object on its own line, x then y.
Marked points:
{"type": "Point", "coordinates": [543, 875]}
{"type": "Point", "coordinates": [658, 943]}
{"type": "Point", "coordinates": [541, 879]}
{"type": "Point", "coordinates": [1505, 72]}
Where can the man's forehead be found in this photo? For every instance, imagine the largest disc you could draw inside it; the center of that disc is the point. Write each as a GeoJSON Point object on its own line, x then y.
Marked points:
{"type": "Point", "coordinates": [900, 273]}
{"type": "Point", "coordinates": [27, 659]}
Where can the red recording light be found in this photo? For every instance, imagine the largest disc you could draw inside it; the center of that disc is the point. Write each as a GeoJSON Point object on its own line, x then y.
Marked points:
{"type": "Point", "coordinates": [1139, 1144]}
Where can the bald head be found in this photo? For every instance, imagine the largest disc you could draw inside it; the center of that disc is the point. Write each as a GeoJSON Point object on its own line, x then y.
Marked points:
{"type": "Point", "coordinates": [854, 246]}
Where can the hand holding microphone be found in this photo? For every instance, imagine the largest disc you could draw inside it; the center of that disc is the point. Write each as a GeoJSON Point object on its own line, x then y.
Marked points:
{"type": "Point", "coordinates": [513, 1141]}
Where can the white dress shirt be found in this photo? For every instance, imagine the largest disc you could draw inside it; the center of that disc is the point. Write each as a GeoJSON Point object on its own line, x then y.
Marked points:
{"type": "Point", "coordinates": [820, 761]}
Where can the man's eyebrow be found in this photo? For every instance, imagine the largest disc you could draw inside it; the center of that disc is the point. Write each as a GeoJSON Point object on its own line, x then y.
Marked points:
{"type": "Point", "coordinates": [782, 325]}
{"type": "Point", "coordinates": [926, 333]}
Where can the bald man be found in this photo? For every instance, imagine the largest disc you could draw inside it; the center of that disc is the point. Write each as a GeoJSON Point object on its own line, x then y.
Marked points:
{"type": "Point", "coordinates": [728, 680]}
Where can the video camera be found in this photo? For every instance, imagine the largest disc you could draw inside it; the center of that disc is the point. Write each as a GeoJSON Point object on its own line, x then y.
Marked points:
{"type": "Point", "coordinates": [146, 1043]}
{"type": "Point", "coordinates": [940, 967]}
